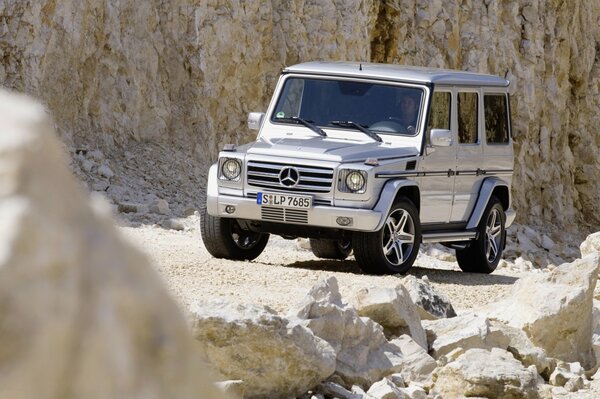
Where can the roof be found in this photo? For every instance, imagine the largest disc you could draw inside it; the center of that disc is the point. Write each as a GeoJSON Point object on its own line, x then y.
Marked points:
{"type": "Point", "coordinates": [398, 72]}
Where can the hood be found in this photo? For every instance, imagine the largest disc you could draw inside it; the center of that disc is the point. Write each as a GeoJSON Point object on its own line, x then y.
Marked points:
{"type": "Point", "coordinates": [329, 149]}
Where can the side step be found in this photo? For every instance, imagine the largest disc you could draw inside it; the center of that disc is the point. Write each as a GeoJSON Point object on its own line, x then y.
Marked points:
{"type": "Point", "coordinates": [449, 236]}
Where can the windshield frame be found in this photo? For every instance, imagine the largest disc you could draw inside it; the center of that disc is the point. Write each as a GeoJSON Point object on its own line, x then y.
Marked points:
{"type": "Point", "coordinates": [425, 89]}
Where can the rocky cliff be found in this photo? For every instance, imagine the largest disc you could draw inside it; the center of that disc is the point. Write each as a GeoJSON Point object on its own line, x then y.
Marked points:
{"type": "Point", "coordinates": [117, 73]}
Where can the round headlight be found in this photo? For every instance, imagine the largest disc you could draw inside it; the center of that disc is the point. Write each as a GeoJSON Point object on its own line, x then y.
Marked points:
{"type": "Point", "coordinates": [355, 181]}
{"type": "Point", "coordinates": [231, 169]}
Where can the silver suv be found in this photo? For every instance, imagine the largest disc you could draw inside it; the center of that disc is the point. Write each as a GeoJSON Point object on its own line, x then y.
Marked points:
{"type": "Point", "coordinates": [374, 159]}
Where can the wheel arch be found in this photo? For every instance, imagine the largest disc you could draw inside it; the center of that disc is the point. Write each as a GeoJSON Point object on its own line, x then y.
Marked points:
{"type": "Point", "coordinates": [393, 190]}
{"type": "Point", "coordinates": [491, 186]}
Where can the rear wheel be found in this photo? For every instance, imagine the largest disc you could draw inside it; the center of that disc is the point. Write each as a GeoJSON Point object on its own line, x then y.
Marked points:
{"type": "Point", "coordinates": [484, 254]}
{"type": "Point", "coordinates": [331, 249]}
{"type": "Point", "coordinates": [225, 238]}
{"type": "Point", "coordinates": [394, 248]}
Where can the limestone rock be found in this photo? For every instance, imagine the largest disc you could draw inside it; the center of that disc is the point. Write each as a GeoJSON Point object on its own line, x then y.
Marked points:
{"type": "Point", "coordinates": [417, 365]}
{"type": "Point", "coordinates": [491, 374]}
{"type": "Point", "coordinates": [430, 303]}
{"type": "Point", "coordinates": [555, 309]}
{"type": "Point", "coordinates": [393, 309]}
{"type": "Point", "coordinates": [591, 244]}
{"type": "Point", "coordinates": [160, 206]}
{"type": "Point", "coordinates": [363, 353]}
{"type": "Point", "coordinates": [83, 312]}
{"type": "Point", "coordinates": [385, 389]}
{"type": "Point", "coordinates": [273, 357]}
{"type": "Point", "coordinates": [466, 331]}
{"type": "Point", "coordinates": [414, 392]}
{"type": "Point", "coordinates": [105, 171]}
{"type": "Point", "coordinates": [331, 389]}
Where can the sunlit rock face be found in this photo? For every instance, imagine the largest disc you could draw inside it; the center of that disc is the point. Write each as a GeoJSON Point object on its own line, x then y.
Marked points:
{"type": "Point", "coordinates": [190, 71]}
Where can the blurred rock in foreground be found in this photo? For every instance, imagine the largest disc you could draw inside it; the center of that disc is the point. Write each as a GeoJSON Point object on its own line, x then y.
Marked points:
{"type": "Point", "coordinates": [82, 313]}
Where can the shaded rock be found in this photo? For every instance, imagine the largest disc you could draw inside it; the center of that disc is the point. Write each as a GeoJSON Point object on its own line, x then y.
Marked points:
{"type": "Point", "coordinates": [430, 303]}
{"type": "Point", "coordinates": [160, 206]}
{"type": "Point", "coordinates": [331, 389]}
{"type": "Point", "coordinates": [491, 374]}
{"type": "Point", "coordinates": [393, 309]}
{"type": "Point", "coordinates": [555, 309]}
{"type": "Point", "coordinates": [568, 373]}
{"type": "Point", "coordinates": [274, 358]}
{"type": "Point", "coordinates": [414, 392]}
{"type": "Point", "coordinates": [83, 312]}
{"type": "Point", "coordinates": [132, 208]}
{"type": "Point", "coordinates": [363, 353]}
{"type": "Point", "coordinates": [590, 245]}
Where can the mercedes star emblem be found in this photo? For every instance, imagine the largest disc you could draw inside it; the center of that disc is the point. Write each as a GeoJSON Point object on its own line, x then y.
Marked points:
{"type": "Point", "coordinates": [289, 177]}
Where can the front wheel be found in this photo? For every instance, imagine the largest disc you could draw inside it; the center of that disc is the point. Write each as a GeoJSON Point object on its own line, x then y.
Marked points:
{"type": "Point", "coordinates": [484, 254]}
{"type": "Point", "coordinates": [225, 238]}
{"type": "Point", "coordinates": [394, 248]}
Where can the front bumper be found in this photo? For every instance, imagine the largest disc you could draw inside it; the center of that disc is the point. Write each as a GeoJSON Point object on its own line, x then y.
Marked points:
{"type": "Point", "coordinates": [316, 216]}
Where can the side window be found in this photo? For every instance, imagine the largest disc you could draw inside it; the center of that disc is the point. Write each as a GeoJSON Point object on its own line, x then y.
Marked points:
{"type": "Point", "coordinates": [467, 118]}
{"type": "Point", "coordinates": [439, 117]}
{"type": "Point", "coordinates": [496, 118]}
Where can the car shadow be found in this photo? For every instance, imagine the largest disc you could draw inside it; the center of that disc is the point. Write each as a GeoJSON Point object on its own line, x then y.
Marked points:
{"type": "Point", "coordinates": [440, 276]}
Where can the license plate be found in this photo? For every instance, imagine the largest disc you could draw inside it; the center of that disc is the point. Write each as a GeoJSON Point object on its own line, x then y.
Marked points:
{"type": "Point", "coordinates": [284, 200]}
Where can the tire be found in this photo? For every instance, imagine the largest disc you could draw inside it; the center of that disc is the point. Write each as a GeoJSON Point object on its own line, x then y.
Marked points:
{"type": "Point", "coordinates": [379, 252]}
{"type": "Point", "coordinates": [331, 249]}
{"type": "Point", "coordinates": [484, 253]}
{"type": "Point", "coordinates": [224, 238]}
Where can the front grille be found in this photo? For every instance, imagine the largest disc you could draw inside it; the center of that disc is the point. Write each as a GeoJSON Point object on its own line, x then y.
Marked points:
{"type": "Point", "coordinates": [312, 179]}
{"type": "Point", "coordinates": [274, 214]}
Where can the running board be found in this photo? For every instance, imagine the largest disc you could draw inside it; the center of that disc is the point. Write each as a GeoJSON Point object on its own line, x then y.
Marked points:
{"type": "Point", "coordinates": [449, 236]}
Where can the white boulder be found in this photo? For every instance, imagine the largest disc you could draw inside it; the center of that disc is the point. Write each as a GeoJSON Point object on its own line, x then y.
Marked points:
{"type": "Point", "coordinates": [273, 357]}
{"type": "Point", "coordinates": [417, 364]}
{"type": "Point", "coordinates": [386, 389]}
{"type": "Point", "coordinates": [393, 309]}
{"type": "Point", "coordinates": [555, 309]}
{"type": "Point", "coordinates": [363, 353]}
{"type": "Point", "coordinates": [590, 245]}
{"type": "Point", "coordinates": [430, 303]}
{"type": "Point", "coordinates": [83, 312]}
{"type": "Point", "coordinates": [490, 374]}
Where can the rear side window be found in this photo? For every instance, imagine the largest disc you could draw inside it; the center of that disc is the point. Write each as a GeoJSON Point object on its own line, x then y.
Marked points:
{"type": "Point", "coordinates": [439, 117]}
{"type": "Point", "coordinates": [496, 118]}
{"type": "Point", "coordinates": [467, 118]}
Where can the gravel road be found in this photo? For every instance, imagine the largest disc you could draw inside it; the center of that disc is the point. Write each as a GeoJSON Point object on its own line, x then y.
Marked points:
{"type": "Point", "coordinates": [284, 273]}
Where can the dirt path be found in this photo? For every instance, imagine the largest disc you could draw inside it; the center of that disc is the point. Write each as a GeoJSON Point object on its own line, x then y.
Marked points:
{"type": "Point", "coordinates": [284, 273]}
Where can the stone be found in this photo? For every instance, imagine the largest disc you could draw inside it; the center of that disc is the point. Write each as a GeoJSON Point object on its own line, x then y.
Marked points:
{"type": "Point", "coordinates": [363, 353]}
{"type": "Point", "coordinates": [126, 207]}
{"type": "Point", "coordinates": [385, 389]}
{"type": "Point", "coordinates": [547, 243]}
{"type": "Point", "coordinates": [568, 373]}
{"type": "Point", "coordinates": [100, 186]}
{"type": "Point", "coordinates": [84, 314]}
{"type": "Point", "coordinates": [417, 364]}
{"type": "Point", "coordinates": [556, 315]}
{"type": "Point", "coordinates": [232, 387]}
{"type": "Point", "coordinates": [105, 171]}
{"type": "Point", "coordinates": [160, 206]}
{"type": "Point", "coordinates": [234, 337]}
{"type": "Point", "coordinates": [414, 392]}
{"type": "Point", "coordinates": [331, 389]}
{"type": "Point", "coordinates": [590, 245]}
{"type": "Point", "coordinates": [483, 373]}
{"type": "Point", "coordinates": [86, 165]}
{"type": "Point", "coordinates": [393, 309]}
{"type": "Point", "coordinates": [430, 303]}
{"type": "Point", "coordinates": [465, 331]}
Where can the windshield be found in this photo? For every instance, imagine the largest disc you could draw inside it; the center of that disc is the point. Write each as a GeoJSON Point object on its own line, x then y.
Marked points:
{"type": "Point", "coordinates": [380, 108]}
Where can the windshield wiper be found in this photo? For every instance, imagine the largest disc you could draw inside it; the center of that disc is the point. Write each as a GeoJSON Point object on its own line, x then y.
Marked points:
{"type": "Point", "coordinates": [308, 124]}
{"type": "Point", "coordinates": [363, 129]}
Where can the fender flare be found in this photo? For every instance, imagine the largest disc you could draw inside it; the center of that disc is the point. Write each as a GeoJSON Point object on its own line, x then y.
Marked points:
{"type": "Point", "coordinates": [212, 191]}
{"type": "Point", "coordinates": [388, 195]}
{"type": "Point", "coordinates": [485, 193]}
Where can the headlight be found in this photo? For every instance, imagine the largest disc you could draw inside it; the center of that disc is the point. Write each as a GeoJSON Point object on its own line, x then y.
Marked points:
{"type": "Point", "coordinates": [231, 169]}
{"type": "Point", "coordinates": [353, 181]}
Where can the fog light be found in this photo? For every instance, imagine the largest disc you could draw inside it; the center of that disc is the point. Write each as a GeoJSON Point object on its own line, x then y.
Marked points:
{"type": "Point", "coordinates": [344, 221]}
{"type": "Point", "coordinates": [230, 209]}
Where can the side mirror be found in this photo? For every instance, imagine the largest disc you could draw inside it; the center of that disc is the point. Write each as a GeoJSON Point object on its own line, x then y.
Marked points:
{"type": "Point", "coordinates": [440, 137]}
{"type": "Point", "coordinates": [255, 120]}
